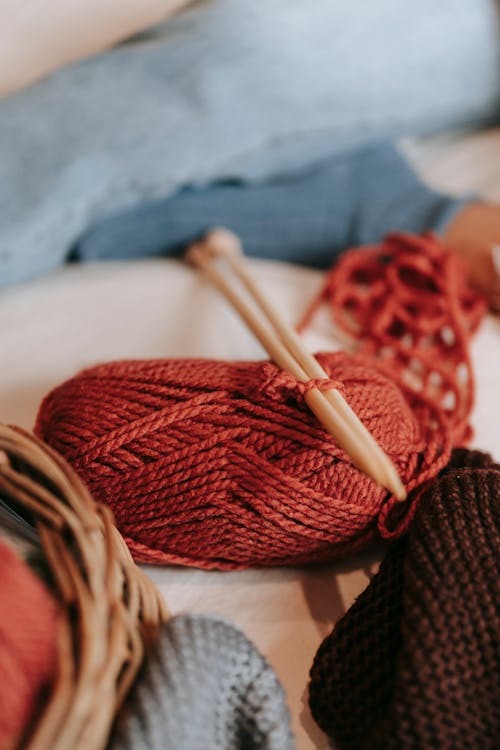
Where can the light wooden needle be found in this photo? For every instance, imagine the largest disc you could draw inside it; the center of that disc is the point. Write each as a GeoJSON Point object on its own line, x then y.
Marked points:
{"type": "Point", "coordinates": [287, 351]}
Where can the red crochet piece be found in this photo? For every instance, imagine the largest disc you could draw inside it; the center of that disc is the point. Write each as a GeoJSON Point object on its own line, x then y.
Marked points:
{"type": "Point", "coordinates": [406, 304]}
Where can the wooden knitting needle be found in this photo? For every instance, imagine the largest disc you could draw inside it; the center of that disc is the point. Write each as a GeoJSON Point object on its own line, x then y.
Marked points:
{"type": "Point", "coordinates": [287, 351]}
{"type": "Point", "coordinates": [231, 249]}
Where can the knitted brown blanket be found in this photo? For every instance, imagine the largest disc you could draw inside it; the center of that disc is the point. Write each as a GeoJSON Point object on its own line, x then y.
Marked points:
{"type": "Point", "coordinates": [415, 662]}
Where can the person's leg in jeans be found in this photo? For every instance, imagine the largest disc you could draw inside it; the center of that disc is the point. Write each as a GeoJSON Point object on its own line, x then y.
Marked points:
{"type": "Point", "coordinates": [232, 89]}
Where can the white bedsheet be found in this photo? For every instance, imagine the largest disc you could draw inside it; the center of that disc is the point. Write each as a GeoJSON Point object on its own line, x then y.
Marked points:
{"type": "Point", "coordinates": [82, 315]}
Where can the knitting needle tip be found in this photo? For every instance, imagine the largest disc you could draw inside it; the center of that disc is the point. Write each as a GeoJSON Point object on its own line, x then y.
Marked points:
{"type": "Point", "coordinates": [221, 241]}
{"type": "Point", "coordinates": [397, 487]}
{"type": "Point", "coordinates": [218, 242]}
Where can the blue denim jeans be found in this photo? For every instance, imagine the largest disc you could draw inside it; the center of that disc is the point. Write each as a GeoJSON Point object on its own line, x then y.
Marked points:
{"type": "Point", "coordinates": [349, 199]}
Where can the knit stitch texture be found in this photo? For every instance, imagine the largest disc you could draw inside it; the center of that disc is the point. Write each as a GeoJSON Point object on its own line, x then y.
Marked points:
{"type": "Point", "coordinates": [28, 647]}
{"type": "Point", "coordinates": [415, 663]}
{"type": "Point", "coordinates": [206, 687]}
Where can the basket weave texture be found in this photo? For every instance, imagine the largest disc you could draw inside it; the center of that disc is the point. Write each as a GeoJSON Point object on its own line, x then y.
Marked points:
{"type": "Point", "coordinates": [110, 610]}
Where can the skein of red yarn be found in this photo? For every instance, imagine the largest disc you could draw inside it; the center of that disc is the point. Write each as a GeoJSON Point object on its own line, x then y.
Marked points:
{"type": "Point", "coordinates": [221, 464]}
{"type": "Point", "coordinates": [28, 646]}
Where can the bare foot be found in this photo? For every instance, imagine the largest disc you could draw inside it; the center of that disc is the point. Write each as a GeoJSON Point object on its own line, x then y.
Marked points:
{"type": "Point", "coordinates": [473, 234]}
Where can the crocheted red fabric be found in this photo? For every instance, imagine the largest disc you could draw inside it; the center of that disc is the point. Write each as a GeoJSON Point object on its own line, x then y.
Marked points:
{"type": "Point", "coordinates": [415, 662]}
{"type": "Point", "coordinates": [406, 303]}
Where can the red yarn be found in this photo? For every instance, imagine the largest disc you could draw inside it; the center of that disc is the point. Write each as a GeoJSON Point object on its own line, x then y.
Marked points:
{"type": "Point", "coordinates": [407, 305]}
{"type": "Point", "coordinates": [221, 464]}
{"type": "Point", "coordinates": [28, 641]}
{"type": "Point", "coordinates": [215, 464]}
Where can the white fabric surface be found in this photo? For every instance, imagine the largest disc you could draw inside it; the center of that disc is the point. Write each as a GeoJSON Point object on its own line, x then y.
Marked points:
{"type": "Point", "coordinates": [39, 36]}
{"type": "Point", "coordinates": [83, 315]}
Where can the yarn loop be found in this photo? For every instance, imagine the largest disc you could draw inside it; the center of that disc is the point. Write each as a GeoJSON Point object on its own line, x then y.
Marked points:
{"type": "Point", "coordinates": [406, 303]}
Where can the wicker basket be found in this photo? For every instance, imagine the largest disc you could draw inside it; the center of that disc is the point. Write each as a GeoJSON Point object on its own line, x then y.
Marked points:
{"type": "Point", "coordinates": [110, 609]}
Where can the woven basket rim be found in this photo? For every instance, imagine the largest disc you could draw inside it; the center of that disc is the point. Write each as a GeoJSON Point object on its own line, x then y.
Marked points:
{"type": "Point", "coordinates": [109, 609]}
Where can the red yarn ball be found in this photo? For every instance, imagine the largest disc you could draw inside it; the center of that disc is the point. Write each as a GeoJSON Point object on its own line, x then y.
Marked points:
{"type": "Point", "coordinates": [28, 646]}
{"type": "Point", "coordinates": [221, 465]}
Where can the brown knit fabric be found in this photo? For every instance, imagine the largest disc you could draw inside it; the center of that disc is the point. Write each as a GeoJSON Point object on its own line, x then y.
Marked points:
{"type": "Point", "coordinates": [415, 662]}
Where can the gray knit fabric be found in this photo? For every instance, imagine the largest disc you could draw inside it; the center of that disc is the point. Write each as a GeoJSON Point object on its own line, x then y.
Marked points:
{"type": "Point", "coordinates": [205, 687]}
